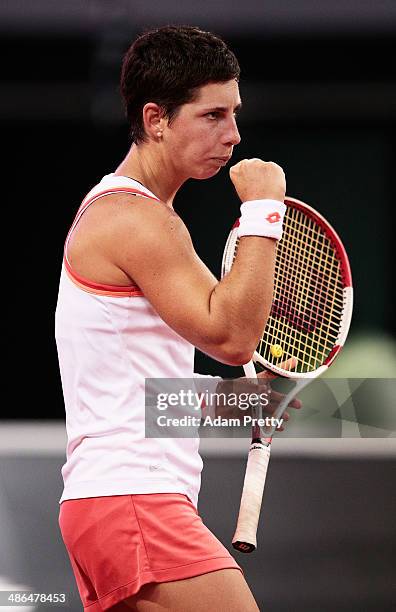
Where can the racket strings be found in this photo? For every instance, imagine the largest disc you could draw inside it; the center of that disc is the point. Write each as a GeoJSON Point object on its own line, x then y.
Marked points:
{"type": "Point", "coordinates": [308, 295]}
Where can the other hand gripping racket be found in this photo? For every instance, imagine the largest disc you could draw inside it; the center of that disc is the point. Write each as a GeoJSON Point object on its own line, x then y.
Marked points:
{"type": "Point", "coordinates": [309, 320]}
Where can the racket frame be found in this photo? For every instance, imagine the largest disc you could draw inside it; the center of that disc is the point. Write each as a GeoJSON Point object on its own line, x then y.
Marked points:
{"type": "Point", "coordinates": [228, 257]}
{"type": "Point", "coordinates": [245, 537]}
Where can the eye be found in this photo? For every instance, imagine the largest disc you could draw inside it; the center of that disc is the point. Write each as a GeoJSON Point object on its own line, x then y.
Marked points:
{"type": "Point", "coordinates": [213, 115]}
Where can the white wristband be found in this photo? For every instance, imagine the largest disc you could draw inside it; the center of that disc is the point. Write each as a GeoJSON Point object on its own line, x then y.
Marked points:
{"type": "Point", "coordinates": [262, 218]}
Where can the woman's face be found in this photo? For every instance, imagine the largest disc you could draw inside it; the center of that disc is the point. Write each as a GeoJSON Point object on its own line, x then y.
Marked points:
{"type": "Point", "coordinates": [201, 138]}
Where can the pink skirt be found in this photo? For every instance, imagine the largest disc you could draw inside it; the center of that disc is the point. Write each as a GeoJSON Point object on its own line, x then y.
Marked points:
{"type": "Point", "coordinates": [117, 544]}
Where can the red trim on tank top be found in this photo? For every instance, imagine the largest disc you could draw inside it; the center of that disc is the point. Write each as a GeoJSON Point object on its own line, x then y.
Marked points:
{"type": "Point", "coordinates": [81, 280]}
{"type": "Point", "coordinates": [85, 281]}
{"type": "Point", "coordinates": [134, 291]}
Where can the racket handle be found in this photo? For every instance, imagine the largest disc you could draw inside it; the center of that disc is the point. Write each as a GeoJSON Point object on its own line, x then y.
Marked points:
{"type": "Point", "coordinates": [250, 370]}
{"type": "Point", "coordinates": [253, 487]}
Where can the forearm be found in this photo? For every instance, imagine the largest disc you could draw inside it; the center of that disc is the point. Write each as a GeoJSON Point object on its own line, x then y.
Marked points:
{"type": "Point", "coordinates": [242, 299]}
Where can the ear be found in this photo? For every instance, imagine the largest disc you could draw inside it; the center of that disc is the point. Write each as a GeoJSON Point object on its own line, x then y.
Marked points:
{"type": "Point", "coordinates": [153, 120]}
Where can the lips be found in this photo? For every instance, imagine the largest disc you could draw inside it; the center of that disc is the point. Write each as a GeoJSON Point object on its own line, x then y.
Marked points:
{"type": "Point", "coordinates": [222, 159]}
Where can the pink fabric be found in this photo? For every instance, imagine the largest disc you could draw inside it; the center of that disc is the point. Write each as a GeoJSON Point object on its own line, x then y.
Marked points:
{"type": "Point", "coordinates": [117, 544]}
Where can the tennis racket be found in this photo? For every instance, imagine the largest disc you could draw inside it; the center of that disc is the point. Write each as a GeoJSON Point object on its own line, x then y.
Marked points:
{"type": "Point", "coordinates": [309, 320]}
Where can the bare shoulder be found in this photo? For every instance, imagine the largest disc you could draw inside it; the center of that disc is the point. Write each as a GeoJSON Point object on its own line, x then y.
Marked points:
{"type": "Point", "coordinates": [118, 234]}
{"type": "Point", "coordinates": [123, 216]}
{"type": "Point", "coordinates": [124, 208]}
{"type": "Point", "coordinates": [133, 230]}
{"type": "Point", "coordinates": [143, 220]}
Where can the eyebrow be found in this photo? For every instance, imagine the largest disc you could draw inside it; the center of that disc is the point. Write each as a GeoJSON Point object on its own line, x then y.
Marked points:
{"type": "Point", "coordinates": [223, 109]}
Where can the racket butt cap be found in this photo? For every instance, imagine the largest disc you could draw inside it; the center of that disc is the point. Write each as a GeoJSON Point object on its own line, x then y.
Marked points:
{"type": "Point", "coordinates": [243, 547]}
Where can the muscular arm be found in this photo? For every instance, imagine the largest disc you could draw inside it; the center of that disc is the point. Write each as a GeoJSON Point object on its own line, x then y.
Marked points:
{"type": "Point", "coordinates": [225, 319]}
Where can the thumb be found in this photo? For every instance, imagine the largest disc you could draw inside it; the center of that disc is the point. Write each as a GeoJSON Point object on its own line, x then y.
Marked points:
{"type": "Point", "coordinates": [288, 365]}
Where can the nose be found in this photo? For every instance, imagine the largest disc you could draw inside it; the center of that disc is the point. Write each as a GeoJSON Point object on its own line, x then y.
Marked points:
{"type": "Point", "coordinates": [232, 135]}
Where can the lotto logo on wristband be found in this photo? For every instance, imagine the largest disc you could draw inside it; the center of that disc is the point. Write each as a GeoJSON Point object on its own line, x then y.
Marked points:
{"type": "Point", "coordinates": [273, 217]}
{"type": "Point", "coordinates": [261, 218]}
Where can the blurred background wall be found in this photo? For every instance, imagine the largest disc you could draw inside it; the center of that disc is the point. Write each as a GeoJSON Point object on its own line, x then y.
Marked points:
{"type": "Point", "coordinates": [319, 94]}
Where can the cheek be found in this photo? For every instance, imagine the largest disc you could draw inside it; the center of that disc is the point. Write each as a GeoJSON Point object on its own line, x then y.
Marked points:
{"type": "Point", "coordinates": [193, 144]}
{"type": "Point", "coordinates": [196, 134]}
{"type": "Point", "coordinates": [202, 141]}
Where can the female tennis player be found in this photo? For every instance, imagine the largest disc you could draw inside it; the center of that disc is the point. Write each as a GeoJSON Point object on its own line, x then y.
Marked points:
{"type": "Point", "coordinates": [134, 301]}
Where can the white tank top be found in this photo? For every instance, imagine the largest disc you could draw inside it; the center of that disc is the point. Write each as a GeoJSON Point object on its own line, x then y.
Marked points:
{"type": "Point", "coordinates": [109, 340]}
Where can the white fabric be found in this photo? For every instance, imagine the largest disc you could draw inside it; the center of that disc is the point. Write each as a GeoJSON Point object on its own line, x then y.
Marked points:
{"type": "Point", "coordinates": [107, 346]}
{"type": "Point", "coordinates": [262, 218]}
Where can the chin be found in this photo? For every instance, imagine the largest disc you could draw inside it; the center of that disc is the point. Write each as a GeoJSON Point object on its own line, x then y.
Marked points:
{"type": "Point", "coordinates": [205, 174]}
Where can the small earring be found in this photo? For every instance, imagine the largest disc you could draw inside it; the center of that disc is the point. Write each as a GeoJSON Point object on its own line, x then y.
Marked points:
{"type": "Point", "coordinates": [159, 134]}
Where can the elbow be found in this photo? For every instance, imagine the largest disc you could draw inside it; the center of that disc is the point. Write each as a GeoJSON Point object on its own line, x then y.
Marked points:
{"type": "Point", "coordinates": [235, 347]}
{"type": "Point", "coordinates": [240, 345]}
{"type": "Point", "coordinates": [235, 354]}
{"type": "Point", "coordinates": [239, 359]}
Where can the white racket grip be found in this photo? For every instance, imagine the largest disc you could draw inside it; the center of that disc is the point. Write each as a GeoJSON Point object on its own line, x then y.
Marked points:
{"type": "Point", "coordinates": [253, 487]}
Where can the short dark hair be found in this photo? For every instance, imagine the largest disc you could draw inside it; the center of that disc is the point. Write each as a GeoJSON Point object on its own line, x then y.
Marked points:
{"type": "Point", "coordinates": [167, 65]}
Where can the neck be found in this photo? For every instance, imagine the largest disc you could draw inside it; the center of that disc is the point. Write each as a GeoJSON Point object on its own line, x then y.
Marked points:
{"type": "Point", "coordinates": [149, 166]}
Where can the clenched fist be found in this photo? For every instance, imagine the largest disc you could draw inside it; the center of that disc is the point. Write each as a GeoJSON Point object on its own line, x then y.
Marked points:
{"type": "Point", "coordinates": [255, 179]}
